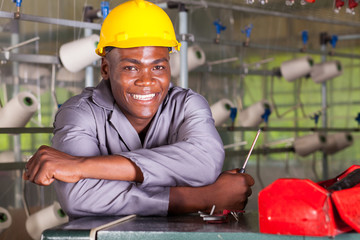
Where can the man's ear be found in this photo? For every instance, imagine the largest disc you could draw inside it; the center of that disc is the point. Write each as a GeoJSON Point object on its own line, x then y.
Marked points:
{"type": "Point", "coordinates": [105, 68]}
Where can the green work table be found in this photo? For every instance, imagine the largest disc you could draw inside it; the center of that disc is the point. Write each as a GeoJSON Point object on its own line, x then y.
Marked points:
{"type": "Point", "coordinates": [174, 227]}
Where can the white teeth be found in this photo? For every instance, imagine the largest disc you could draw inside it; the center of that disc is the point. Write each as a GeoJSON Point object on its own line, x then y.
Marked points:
{"type": "Point", "coordinates": [143, 97]}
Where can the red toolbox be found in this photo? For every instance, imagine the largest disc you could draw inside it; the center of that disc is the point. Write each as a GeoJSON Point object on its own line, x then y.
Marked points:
{"type": "Point", "coordinates": [303, 207]}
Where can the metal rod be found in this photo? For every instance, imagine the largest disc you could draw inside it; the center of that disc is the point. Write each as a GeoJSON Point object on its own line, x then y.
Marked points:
{"type": "Point", "coordinates": [236, 71]}
{"type": "Point", "coordinates": [12, 166]}
{"type": "Point", "coordinates": [22, 44]}
{"type": "Point", "coordinates": [26, 130]}
{"type": "Point", "coordinates": [237, 144]}
{"type": "Point", "coordinates": [349, 37]}
{"type": "Point", "coordinates": [30, 58]}
{"type": "Point", "coordinates": [271, 13]}
{"type": "Point", "coordinates": [278, 48]}
{"type": "Point", "coordinates": [288, 129]}
{"type": "Point", "coordinates": [325, 165]}
{"type": "Point", "coordinates": [226, 60]}
{"type": "Point", "coordinates": [263, 151]}
{"type": "Point", "coordinates": [183, 30]}
{"type": "Point", "coordinates": [56, 21]}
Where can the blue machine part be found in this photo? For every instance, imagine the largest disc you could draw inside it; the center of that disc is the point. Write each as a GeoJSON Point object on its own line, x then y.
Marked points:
{"type": "Point", "coordinates": [266, 115]}
{"type": "Point", "coordinates": [105, 8]}
{"type": "Point", "coordinates": [233, 113]}
{"type": "Point", "coordinates": [316, 118]}
{"type": "Point", "coordinates": [18, 2]}
{"type": "Point", "coordinates": [247, 30]}
{"type": "Point", "coordinates": [305, 37]}
{"type": "Point", "coordinates": [333, 41]}
{"type": "Point", "coordinates": [219, 27]}
{"type": "Point", "coordinates": [358, 118]}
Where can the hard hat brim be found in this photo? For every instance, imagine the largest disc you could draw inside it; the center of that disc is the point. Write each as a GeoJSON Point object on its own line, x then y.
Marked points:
{"type": "Point", "coordinates": [140, 42]}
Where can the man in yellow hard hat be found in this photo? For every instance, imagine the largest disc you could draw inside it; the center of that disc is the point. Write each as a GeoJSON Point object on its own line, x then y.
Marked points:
{"type": "Point", "coordinates": [134, 144]}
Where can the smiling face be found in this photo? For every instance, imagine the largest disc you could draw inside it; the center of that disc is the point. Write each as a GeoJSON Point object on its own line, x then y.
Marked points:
{"type": "Point", "coordinates": [139, 79]}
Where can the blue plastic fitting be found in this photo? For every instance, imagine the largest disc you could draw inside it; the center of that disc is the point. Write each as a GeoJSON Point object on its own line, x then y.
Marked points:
{"type": "Point", "coordinates": [219, 27]}
{"type": "Point", "coordinates": [358, 118]}
{"type": "Point", "coordinates": [266, 115]}
{"type": "Point", "coordinates": [18, 2]}
{"type": "Point", "coordinates": [305, 37]}
{"type": "Point", "coordinates": [247, 30]}
{"type": "Point", "coordinates": [316, 118]}
{"type": "Point", "coordinates": [333, 40]}
{"type": "Point", "coordinates": [105, 8]}
{"type": "Point", "coordinates": [233, 113]}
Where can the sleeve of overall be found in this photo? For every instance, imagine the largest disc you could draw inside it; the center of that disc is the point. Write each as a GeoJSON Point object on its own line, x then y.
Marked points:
{"type": "Point", "coordinates": [75, 134]}
{"type": "Point", "coordinates": [195, 155]}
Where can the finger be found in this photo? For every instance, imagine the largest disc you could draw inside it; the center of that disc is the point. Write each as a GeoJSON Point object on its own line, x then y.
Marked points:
{"type": "Point", "coordinates": [29, 165]}
{"type": "Point", "coordinates": [33, 170]}
{"type": "Point", "coordinates": [232, 170]}
{"type": "Point", "coordinates": [40, 175]}
{"type": "Point", "coordinates": [26, 172]}
{"type": "Point", "coordinates": [34, 164]}
{"type": "Point", "coordinates": [43, 179]}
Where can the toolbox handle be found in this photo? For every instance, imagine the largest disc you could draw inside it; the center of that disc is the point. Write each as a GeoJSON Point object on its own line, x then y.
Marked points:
{"type": "Point", "coordinates": [351, 180]}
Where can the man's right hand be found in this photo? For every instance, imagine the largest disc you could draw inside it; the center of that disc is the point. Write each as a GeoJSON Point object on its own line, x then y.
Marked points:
{"type": "Point", "coordinates": [48, 164]}
{"type": "Point", "coordinates": [230, 191]}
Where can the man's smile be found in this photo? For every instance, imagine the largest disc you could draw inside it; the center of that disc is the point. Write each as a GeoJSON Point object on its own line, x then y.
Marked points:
{"type": "Point", "coordinates": [143, 97]}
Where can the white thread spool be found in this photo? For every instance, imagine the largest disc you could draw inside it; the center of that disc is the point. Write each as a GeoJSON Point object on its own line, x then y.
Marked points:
{"type": "Point", "coordinates": [337, 142]}
{"type": "Point", "coordinates": [221, 111]}
{"type": "Point", "coordinates": [251, 116]}
{"type": "Point", "coordinates": [30, 71]}
{"type": "Point", "coordinates": [66, 76]}
{"type": "Point", "coordinates": [19, 110]}
{"type": "Point", "coordinates": [196, 58]}
{"type": "Point", "coordinates": [46, 218]}
{"type": "Point", "coordinates": [324, 71]}
{"type": "Point", "coordinates": [308, 144]}
{"type": "Point", "coordinates": [7, 156]}
{"type": "Point", "coordinates": [5, 219]}
{"type": "Point", "coordinates": [296, 68]}
{"type": "Point", "coordinates": [78, 54]}
{"type": "Point", "coordinates": [36, 78]}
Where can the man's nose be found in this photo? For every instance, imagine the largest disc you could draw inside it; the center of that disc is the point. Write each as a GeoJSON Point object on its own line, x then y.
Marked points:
{"type": "Point", "coordinates": [145, 79]}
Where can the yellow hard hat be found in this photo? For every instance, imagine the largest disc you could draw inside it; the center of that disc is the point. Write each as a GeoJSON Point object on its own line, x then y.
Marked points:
{"type": "Point", "coordinates": [136, 23]}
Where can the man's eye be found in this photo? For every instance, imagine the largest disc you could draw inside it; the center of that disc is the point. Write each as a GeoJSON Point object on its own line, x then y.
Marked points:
{"type": "Point", "coordinates": [159, 68]}
{"type": "Point", "coordinates": [130, 68]}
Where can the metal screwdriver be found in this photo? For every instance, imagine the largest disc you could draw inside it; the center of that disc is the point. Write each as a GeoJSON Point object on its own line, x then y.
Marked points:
{"type": "Point", "coordinates": [242, 170]}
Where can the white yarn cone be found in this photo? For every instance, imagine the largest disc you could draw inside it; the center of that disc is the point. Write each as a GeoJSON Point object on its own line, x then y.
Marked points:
{"type": "Point", "coordinates": [18, 111]}
{"type": "Point", "coordinates": [77, 55]}
{"type": "Point", "coordinates": [324, 71]}
{"type": "Point", "coordinates": [46, 218]}
{"type": "Point", "coordinates": [251, 116]}
{"type": "Point", "coordinates": [66, 76]}
{"type": "Point", "coordinates": [31, 71]}
{"type": "Point", "coordinates": [196, 58]}
{"type": "Point", "coordinates": [7, 156]}
{"type": "Point", "coordinates": [221, 111]}
{"type": "Point", "coordinates": [5, 219]}
{"type": "Point", "coordinates": [337, 142]}
{"type": "Point", "coordinates": [308, 144]}
{"type": "Point", "coordinates": [296, 68]}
